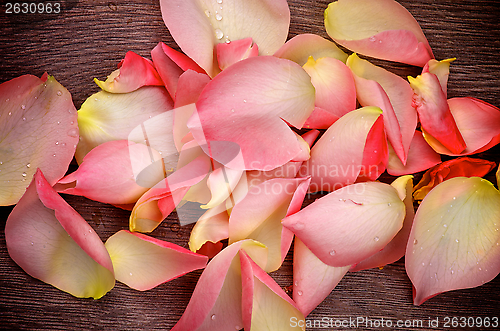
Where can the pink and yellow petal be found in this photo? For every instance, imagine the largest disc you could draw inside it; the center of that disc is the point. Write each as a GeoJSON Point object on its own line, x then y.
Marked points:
{"type": "Point", "coordinates": [301, 47]}
{"type": "Point", "coordinates": [197, 27]}
{"type": "Point", "coordinates": [313, 280]}
{"type": "Point", "coordinates": [212, 226]}
{"type": "Point", "coordinates": [133, 72]}
{"type": "Point", "coordinates": [230, 53]}
{"type": "Point", "coordinates": [455, 240]}
{"type": "Point", "coordinates": [244, 108]}
{"type": "Point", "coordinates": [38, 129]}
{"type": "Point", "coordinates": [142, 262]}
{"type": "Point", "coordinates": [334, 85]}
{"type": "Point", "coordinates": [396, 248]}
{"type": "Point", "coordinates": [381, 29]}
{"type": "Point", "coordinates": [110, 116]}
{"type": "Point", "coordinates": [52, 242]}
{"type": "Point", "coordinates": [441, 69]}
{"type": "Point", "coordinates": [116, 172]}
{"type": "Point", "coordinates": [350, 224]}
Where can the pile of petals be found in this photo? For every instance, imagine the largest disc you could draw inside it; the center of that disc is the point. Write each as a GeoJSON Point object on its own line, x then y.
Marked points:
{"type": "Point", "coordinates": [237, 129]}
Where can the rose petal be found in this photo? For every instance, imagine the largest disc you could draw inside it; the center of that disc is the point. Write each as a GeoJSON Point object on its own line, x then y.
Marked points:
{"type": "Point", "coordinates": [158, 202]}
{"type": "Point", "coordinates": [198, 26]}
{"type": "Point", "coordinates": [212, 226]}
{"type": "Point", "coordinates": [454, 242]}
{"type": "Point", "coordinates": [378, 87]}
{"type": "Point", "coordinates": [434, 113]}
{"type": "Point", "coordinates": [38, 130]}
{"type": "Point", "coordinates": [142, 262]}
{"type": "Point", "coordinates": [230, 53]}
{"type": "Point", "coordinates": [459, 167]}
{"type": "Point", "coordinates": [441, 69]}
{"type": "Point", "coordinates": [337, 157]}
{"type": "Point", "coordinates": [216, 303]}
{"type": "Point", "coordinates": [107, 173]}
{"type": "Point", "coordinates": [221, 183]}
{"type": "Point", "coordinates": [313, 280]}
{"type": "Point", "coordinates": [382, 29]}
{"type": "Point", "coordinates": [375, 154]}
{"type": "Point", "coordinates": [320, 119]}
{"type": "Point", "coordinates": [109, 116]}
{"type": "Point", "coordinates": [258, 216]}
{"type": "Point", "coordinates": [167, 69]}
{"type": "Point", "coordinates": [420, 157]}
{"type": "Point", "coordinates": [134, 72]}
{"type": "Point", "coordinates": [265, 305]}
{"type": "Point", "coordinates": [242, 110]}
{"type": "Point", "coordinates": [396, 248]}
{"type": "Point", "coordinates": [350, 224]}
{"type": "Point", "coordinates": [477, 121]}
{"type": "Point", "coordinates": [334, 85]}
{"type": "Point", "coordinates": [52, 242]}
{"type": "Point", "coordinates": [301, 47]}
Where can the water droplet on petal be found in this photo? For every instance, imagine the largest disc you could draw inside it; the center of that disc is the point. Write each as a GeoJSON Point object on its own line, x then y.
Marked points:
{"type": "Point", "coordinates": [376, 238]}
{"type": "Point", "coordinates": [296, 283]}
{"type": "Point", "coordinates": [218, 17]}
{"type": "Point", "coordinates": [299, 226]}
{"type": "Point", "coordinates": [232, 110]}
{"type": "Point", "coordinates": [454, 198]}
{"type": "Point", "coordinates": [219, 34]}
{"type": "Point", "coordinates": [415, 242]}
{"type": "Point", "coordinates": [213, 317]}
{"type": "Point", "coordinates": [28, 165]}
{"type": "Point", "coordinates": [32, 244]}
{"type": "Point", "coordinates": [57, 143]}
{"type": "Point", "coordinates": [333, 252]}
{"type": "Point", "coordinates": [23, 107]}
{"type": "Point", "coordinates": [219, 2]}
{"type": "Point", "coordinates": [24, 118]}
{"type": "Point", "coordinates": [389, 204]}
{"type": "Point", "coordinates": [130, 274]}
{"type": "Point", "coordinates": [59, 93]}
{"type": "Point", "coordinates": [456, 240]}
{"type": "Point", "coordinates": [444, 225]}
{"type": "Point", "coordinates": [73, 133]}
{"type": "Point", "coordinates": [10, 113]}
{"type": "Point", "coordinates": [24, 174]}
{"type": "Point", "coordinates": [207, 13]}
{"type": "Point", "coordinates": [480, 269]}
{"type": "Point", "coordinates": [372, 38]}
{"type": "Point", "coordinates": [299, 293]}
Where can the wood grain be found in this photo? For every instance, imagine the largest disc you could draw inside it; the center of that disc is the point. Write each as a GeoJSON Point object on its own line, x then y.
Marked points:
{"type": "Point", "coordinates": [88, 38]}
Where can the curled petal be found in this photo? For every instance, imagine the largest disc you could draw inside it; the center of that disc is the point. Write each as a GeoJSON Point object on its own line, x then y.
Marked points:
{"type": "Point", "coordinates": [159, 201]}
{"type": "Point", "coordinates": [52, 242]}
{"type": "Point", "coordinates": [460, 167]}
{"type": "Point", "coordinates": [382, 29]}
{"type": "Point", "coordinates": [241, 112]}
{"type": "Point", "coordinates": [216, 303]}
{"type": "Point", "coordinates": [167, 69]}
{"type": "Point", "coordinates": [109, 116]}
{"type": "Point", "coordinates": [334, 85]}
{"type": "Point", "coordinates": [212, 226]}
{"type": "Point", "coordinates": [265, 305]}
{"type": "Point", "coordinates": [454, 242]}
{"type": "Point", "coordinates": [312, 279]}
{"type": "Point", "coordinates": [198, 26]}
{"type": "Point", "coordinates": [133, 72]}
{"type": "Point", "coordinates": [478, 123]}
{"type": "Point", "coordinates": [301, 47]}
{"type": "Point", "coordinates": [107, 173]}
{"type": "Point", "coordinates": [441, 69]}
{"type": "Point", "coordinates": [230, 53]}
{"type": "Point", "coordinates": [258, 216]}
{"type": "Point", "coordinates": [396, 248]}
{"type": "Point", "coordinates": [142, 262]}
{"type": "Point", "coordinates": [375, 154]}
{"type": "Point", "coordinates": [378, 87]}
{"type": "Point", "coordinates": [350, 224]}
{"type": "Point", "coordinates": [434, 113]}
{"type": "Point", "coordinates": [337, 157]}
{"type": "Point", "coordinates": [38, 130]}
{"type": "Point", "coordinates": [421, 156]}
{"type": "Point", "coordinates": [221, 183]}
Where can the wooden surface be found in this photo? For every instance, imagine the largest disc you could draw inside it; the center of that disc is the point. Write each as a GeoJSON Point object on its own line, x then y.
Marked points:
{"type": "Point", "coordinates": [88, 38]}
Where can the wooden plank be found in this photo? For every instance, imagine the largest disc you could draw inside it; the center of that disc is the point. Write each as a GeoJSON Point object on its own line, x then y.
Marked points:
{"type": "Point", "coordinates": [88, 38]}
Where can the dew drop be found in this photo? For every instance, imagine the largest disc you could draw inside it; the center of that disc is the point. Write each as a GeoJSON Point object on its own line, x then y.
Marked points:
{"type": "Point", "coordinates": [372, 38]}
{"type": "Point", "coordinates": [71, 122]}
{"type": "Point", "coordinates": [23, 107]}
{"type": "Point", "coordinates": [24, 118]}
{"type": "Point", "coordinates": [232, 110]}
{"type": "Point", "coordinates": [244, 100]}
{"type": "Point", "coordinates": [32, 244]}
{"type": "Point", "coordinates": [333, 252]}
{"type": "Point", "coordinates": [299, 226]}
{"type": "Point", "coordinates": [28, 165]}
{"type": "Point", "coordinates": [59, 93]}
{"type": "Point", "coordinates": [452, 272]}
{"type": "Point", "coordinates": [444, 225]}
{"type": "Point", "coordinates": [389, 204]}
{"type": "Point", "coordinates": [213, 317]}
{"type": "Point", "coordinates": [57, 143]}
{"type": "Point", "coordinates": [130, 274]}
{"type": "Point", "coordinates": [10, 113]}
{"type": "Point", "coordinates": [7, 100]}
{"type": "Point", "coordinates": [219, 2]}
{"type": "Point", "coordinates": [207, 13]}
{"type": "Point", "coordinates": [423, 264]}
{"type": "Point", "coordinates": [227, 40]}
{"type": "Point", "coordinates": [480, 269]}
{"type": "Point", "coordinates": [219, 34]}
{"type": "Point", "coordinates": [451, 206]}
{"type": "Point", "coordinates": [454, 198]}
{"type": "Point", "coordinates": [218, 17]}
{"type": "Point", "coordinates": [415, 242]}
{"type": "Point", "coordinates": [296, 283]}
{"type": "Point", "coordinates": [456, 240]}
{"type": "Point", "coordinates": [1, 162]}
{"type": "Point", "coordinates": [299, 293]}
{"type": "Point", "coordinates": [54, 155]}
{"type": "Point", "coordinates": [24, 174]}
{"type": "Point", "coordinates": [376, 238]}
{"type": "Point", "coordinates": [73, 133]}
{"type": "Point", "coordinates": [58, 122]}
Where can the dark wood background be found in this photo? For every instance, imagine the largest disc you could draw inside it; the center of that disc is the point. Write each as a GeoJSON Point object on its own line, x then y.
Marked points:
{"type": "Point", "coordinates": [88, 38]}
